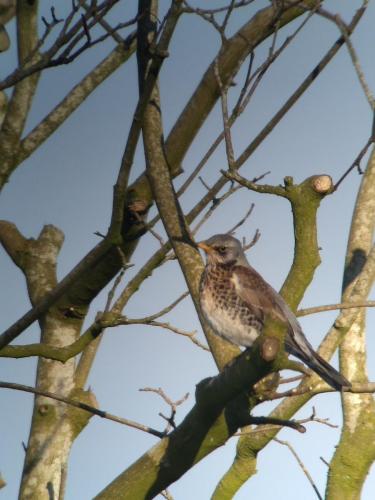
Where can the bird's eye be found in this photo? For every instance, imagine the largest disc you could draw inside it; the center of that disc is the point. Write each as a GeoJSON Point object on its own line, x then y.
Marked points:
{"type": "Point", "coordinates": [221, 250]}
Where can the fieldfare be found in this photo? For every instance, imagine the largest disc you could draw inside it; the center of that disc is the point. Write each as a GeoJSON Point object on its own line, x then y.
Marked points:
{"type": "Point", "coordinates": [236, 301]}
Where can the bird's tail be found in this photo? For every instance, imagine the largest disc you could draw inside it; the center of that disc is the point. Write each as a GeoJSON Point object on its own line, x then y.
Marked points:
{"type": "Point", "coordinates": [297, 344]}
{"type": "Point", "coordinates": [319, 365]}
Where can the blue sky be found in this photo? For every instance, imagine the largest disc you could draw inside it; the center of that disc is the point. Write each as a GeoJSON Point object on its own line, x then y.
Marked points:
{"type": "Point", "coordinates": [68, 182]}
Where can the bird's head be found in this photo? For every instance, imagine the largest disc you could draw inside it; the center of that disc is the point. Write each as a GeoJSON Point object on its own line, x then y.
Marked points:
{"type": "Point", "coordinates": [223, 249]}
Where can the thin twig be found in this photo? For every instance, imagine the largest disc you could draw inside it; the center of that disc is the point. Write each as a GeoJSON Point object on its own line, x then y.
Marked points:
{"type": "Point", "coordinates": [149, 227]}
{"type": "Point", "coordinates": [112, 32]}
{"type": "Point", "coordinates": [314, 418]}
{"type": "Point", "coordinates": [243, 220]}
{"type": "Point", "coordinates": [357, 162]}
{"type": "Point", "coordinates": [117, 281]}
{"type": "Point", "coordinates": [224, 110]}
{"type": "Point", "coordinates": [339, 22]}
{"type": "Point", "coordinates": [172, 404]}
{"type": "Point", "coordinates": [83, 406]}
{"type": "Point", "coordinates": [320, 388]}
{"type": "Point", "coordinates": [334, 307]}
{"type": "Point", "coordinates": [122, 320]}
{"type": "Point", "coordinates": [301, 464]}
{"type": "Point", "coordinates": [214, 206]}
{"type": "Point", "coordinates": [311, 77]}
{"type": "Point", "coordinates": [198, 10]}
{"type": "Point", "coordinates": [288, 380]}
{"type": "Point", "coordinates": [238, 109]}
{"type": "Point", "coordinates": [247, 246]}
{"type": "Point", "coordinates": [167, 309]}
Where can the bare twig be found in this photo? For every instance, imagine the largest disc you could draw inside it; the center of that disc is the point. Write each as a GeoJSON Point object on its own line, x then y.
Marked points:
{"type": "Point", "coordinates": [91, 348]}
{"type": "Point", "coordinates": [117, 281]}
{"type": "Point", "coordinates": [301, 464]}
{"type": "Point", "coordinates": [314, 418]}
{"type": "Point", "coordinates": [247, 246]}
{"type": "Point", "coordinates": [224, 110]}
{"type": "Point", "coordinates": [342, 26]}
{"type": "Point", "coordinates": [356, 388]}
{"type": "Point", "coordinates": [357, 162]}
{"type": "Point", "coordinates": [243, 220]}
{"type": "Point", "coordinates": [168, 308]}
{"type": "Point", "coordinates": [288, 380]}
{"type": "Point", "coordinates": [299, 91]}
{"type": "Point", "coordinates": [83, 406]}
{"type": "Point", "coordinates": [88, 356]}
{"type": "Point", "coordinates": [149, 227]}
{"type": "Point", "coordinates": [121, 320]}
{"type": "Point", "coordinates": [334, 307]}
{"type": "Point", "coordinates": [197, 10]}
{"type": "Point", "coordinates": [68, 37]}
{"type": "Point", "coordinates": [278, 423]}
{"type": "Point", "coordinates": [172, 404]}
{"type": "Point", "coordinates": [216, 202]}
{"type": "Point", "coordinates": [238, 109]}
{"type": "Point", "coordinates": [259, 73]}
{"type": "Point", "coordinates": [112, 32]}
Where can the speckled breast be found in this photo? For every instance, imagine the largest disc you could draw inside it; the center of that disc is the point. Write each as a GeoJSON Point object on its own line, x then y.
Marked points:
{"type": "Point", "coordinates": [227, 314]}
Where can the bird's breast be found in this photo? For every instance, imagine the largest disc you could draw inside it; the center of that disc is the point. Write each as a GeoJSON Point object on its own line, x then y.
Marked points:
{"type": "Point", "coordinates": [226, 313]}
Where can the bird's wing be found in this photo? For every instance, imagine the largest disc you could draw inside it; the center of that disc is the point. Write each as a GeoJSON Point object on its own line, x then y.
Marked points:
{"type": "Point", "coordinates": [258, 294]}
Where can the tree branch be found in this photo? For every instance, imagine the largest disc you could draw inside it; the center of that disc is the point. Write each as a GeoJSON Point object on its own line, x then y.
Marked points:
{"type": "Point", "coordinates": [82, 406]}
{"type": "Point", "coordinates": [23, 93]}
{"type": "Point", "coordinates": [75, 97]}
{"type": "Point", "coordinates": [333, 307]}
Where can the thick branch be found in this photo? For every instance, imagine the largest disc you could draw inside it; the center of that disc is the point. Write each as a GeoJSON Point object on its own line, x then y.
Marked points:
{"type": "Point", "coordinates": [248, 447]}
{"type": "Point", "coordinates": [205, 428]}
{"type": "Point", "coordinates": [355, 452]}
{"type": "Point", "coordinates": [173, 219]}
{"type": "Point", "coordinates": [23, 93]}
{"type": "Point", "coordinates": [305, 199]}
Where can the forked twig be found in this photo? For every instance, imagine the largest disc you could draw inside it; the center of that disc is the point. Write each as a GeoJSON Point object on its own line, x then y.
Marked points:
{"type": "Point", "coordinates": [172, 404]}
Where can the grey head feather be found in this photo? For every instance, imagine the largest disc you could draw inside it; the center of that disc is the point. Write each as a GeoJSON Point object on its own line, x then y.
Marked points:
{"type": "Point", "coordinates": [234, 248]}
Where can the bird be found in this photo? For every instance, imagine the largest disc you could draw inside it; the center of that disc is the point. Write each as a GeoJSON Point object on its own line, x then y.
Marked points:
{"type": "Point", "coordinates": [236, 301]}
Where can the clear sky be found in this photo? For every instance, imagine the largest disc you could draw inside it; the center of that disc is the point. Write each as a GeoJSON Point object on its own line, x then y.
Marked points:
{"type": "Point", "coordinates": [68, 182]}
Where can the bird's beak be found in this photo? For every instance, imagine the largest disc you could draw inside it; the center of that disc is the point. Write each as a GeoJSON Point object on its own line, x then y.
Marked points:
{"type": "Point", "coordinates": [205, 247]}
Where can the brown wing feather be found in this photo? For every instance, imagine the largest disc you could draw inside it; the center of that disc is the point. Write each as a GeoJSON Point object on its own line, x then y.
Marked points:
{"type": "Point", "coordinates": [256, 292]}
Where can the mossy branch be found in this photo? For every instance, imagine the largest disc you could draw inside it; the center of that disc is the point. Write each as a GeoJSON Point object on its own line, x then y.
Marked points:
{"type": "Point", "coordinates": [305, 200]}
{"type": "Point", "coordinates": [355, 452]}
{"type": "Point", "coordinates": [23, 92]}
{"type": "Point", "coordinates": [206, 427]}
{"type": "Point", "coordinates": [248, 447]}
